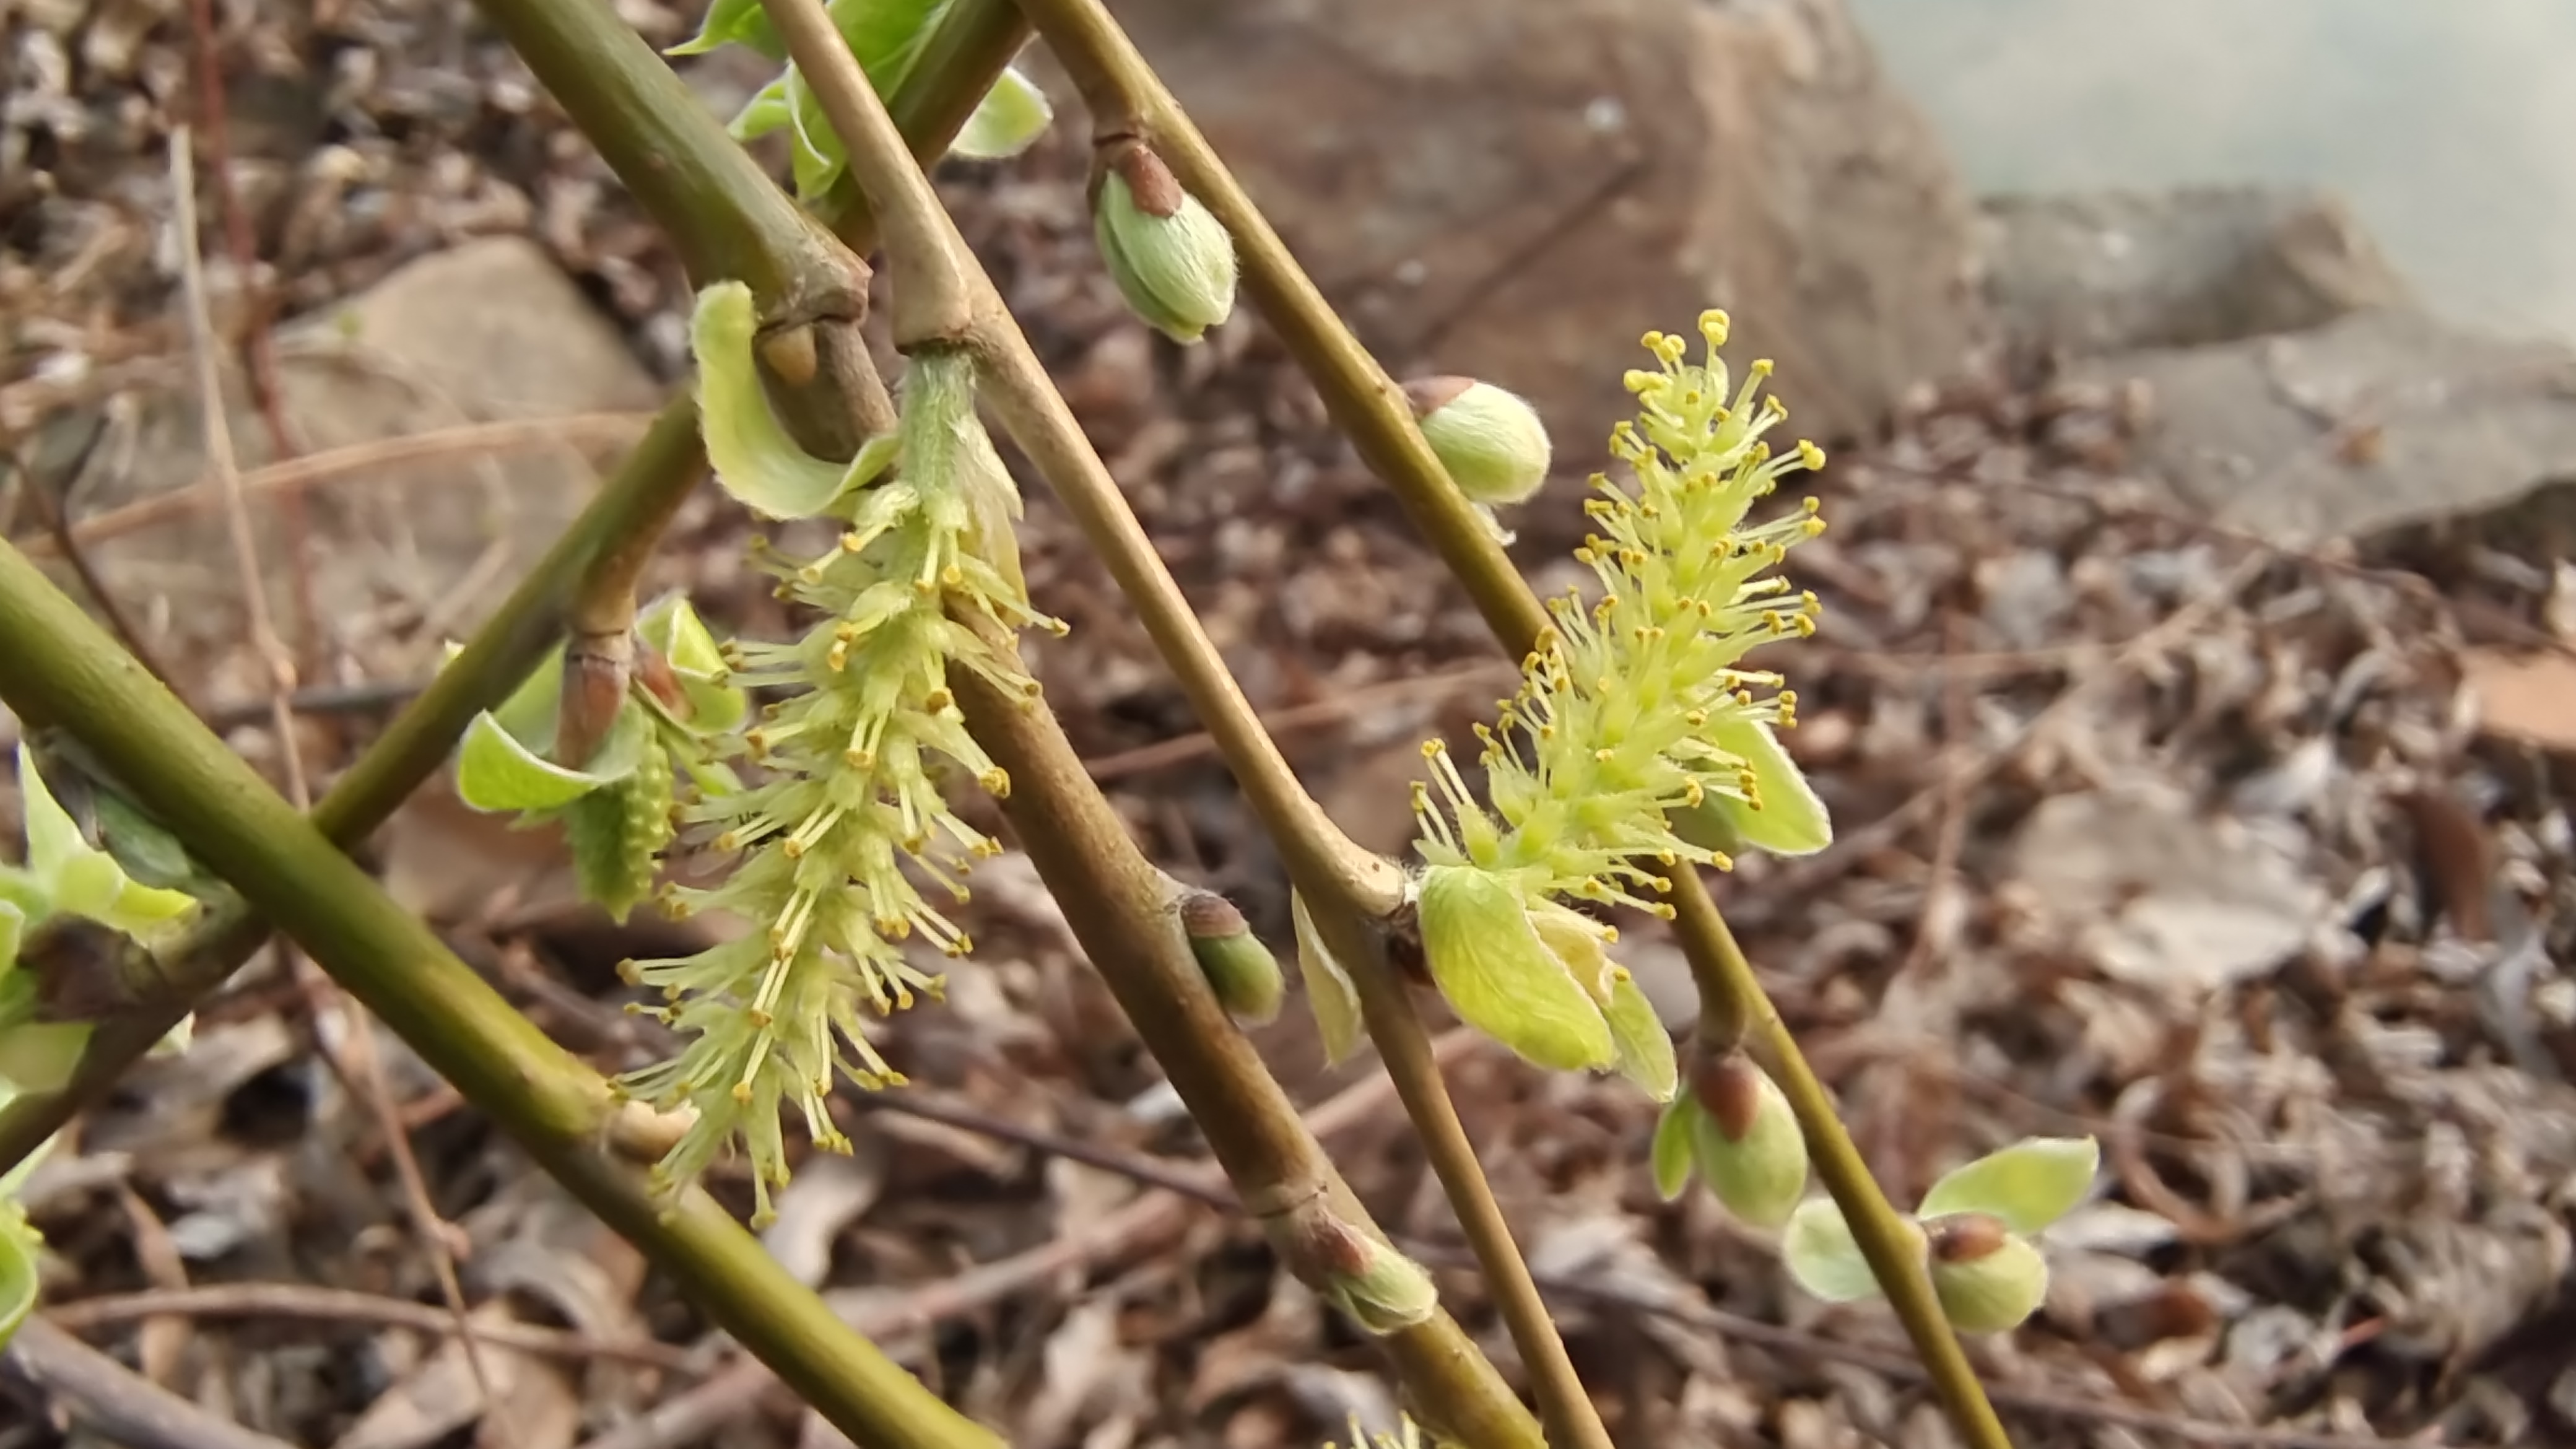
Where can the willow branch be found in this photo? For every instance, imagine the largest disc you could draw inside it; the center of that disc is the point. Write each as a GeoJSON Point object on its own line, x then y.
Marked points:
{"type": "Point", "coordinates": [1125, 97]}
{"type": "Point", "coordinates": [1114, 901]}
{"type": "Point", "coordinates": [629, 512]}
{"type": "Point", "coordinates": [1406, 1049]}
{"type": "Point", "coordinates": [54, 659]}
{"type": "Point", "coordinates": [943, 299]}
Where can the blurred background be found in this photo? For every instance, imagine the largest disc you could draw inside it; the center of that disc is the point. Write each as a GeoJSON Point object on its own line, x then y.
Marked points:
{"type": "Point", "coordinates": [2444, 126]}
{"type": "Point", "coordinates": [2194, 699]}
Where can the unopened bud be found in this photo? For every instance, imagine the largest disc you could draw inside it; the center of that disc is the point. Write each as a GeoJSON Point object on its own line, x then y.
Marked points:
{"type": "Point", "coordinates": [1242, 972]}
{"type": "Point", "coordinates": [1746, 1140]}
{"type": "Point", "coordinates": [1381, 1289]}
{"type": "Point", "coordinates": [1492, 442]}
{"type": "Point", "coordinates": [1170, 256]}
{"type": "Point", "coordinates": [1987, 1277]}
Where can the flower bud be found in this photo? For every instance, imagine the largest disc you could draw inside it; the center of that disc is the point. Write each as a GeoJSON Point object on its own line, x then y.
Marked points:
{"type": "Point", "coordinates": [1987, 1277]}
{"type": "Point", "coordinates": [1746, 1140]}
{"type": "Point", "coordinates": [1242, 972]}
{"type": "Point", "coordinates": [1170, 256]}
{"type": "Point", "coordinates": [1492, 442]}
{"type": "Point", "coordinates": [1381, 1289]}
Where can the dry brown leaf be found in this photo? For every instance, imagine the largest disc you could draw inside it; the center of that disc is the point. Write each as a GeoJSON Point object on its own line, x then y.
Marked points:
{"type": "Point", "coordinates": [2525, 697]}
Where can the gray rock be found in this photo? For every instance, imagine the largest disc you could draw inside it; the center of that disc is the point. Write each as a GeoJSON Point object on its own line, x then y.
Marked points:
{"type": "Point", "coordinates": [1517, 189]}
{"type": "Point", "coordinates": [400, 555]}
{"type": "Point", "coordinates": [2112, 271]}
{"type": "Point", "coordinates": [2375, 421]}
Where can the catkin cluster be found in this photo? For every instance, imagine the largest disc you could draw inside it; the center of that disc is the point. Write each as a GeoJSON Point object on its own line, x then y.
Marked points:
{"type": "Point", "coordinates": [1638, 741]}
{"type": "Point", "coordinates": [847, 846]}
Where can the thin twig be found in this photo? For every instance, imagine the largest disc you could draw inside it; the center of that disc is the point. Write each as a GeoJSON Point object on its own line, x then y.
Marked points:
{"type": "Point", "coordinates": [1607, 1290]}
{"type": "Point", "coordinates": [1126, 97]}
{"type": "Point", "coordinates": [115, 1401]}
{"type": "Point", "coordinates": [1402, 1043]}
{"type": "Point", "coordinates": [943, 298]}
{"type": "Point", "coordinates": [258, 346]}
{"type": "Point", "coordinates": [336, 1305]}
{"type": "Point", "coordinates": [517, 435]}
{"type": "Point", "coordinates": [1180, 1191]}
{"type": "Point", "coordinates": [954, 304]}
{"type": "Point", "coordinates": [357, 1053]}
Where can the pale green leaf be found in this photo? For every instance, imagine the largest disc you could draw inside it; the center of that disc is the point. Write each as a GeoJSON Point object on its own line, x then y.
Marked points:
{"type": "Point", "coordinates": [818, 158]}
{"type": "Point", "coordinates": [1329, 992]}
{"type": "Point", "coordinates": [754, 458]}
{"type": "Point", "coordinates": [2026, 1186]}
{"type": "Point", "coordinates": [495, 772]}
{"type": "Point", "coordinates": [38, 1056]}
{"type": "Point", "coordinates": [1501, 978]}
{"type": "Point", "coordinates": [674, 630]}
{"type": "Point", "coordinates": [19, 1246]}
{"type": "Point", "coordinates": [53, 839]}
{"type": "Point", "coordinates": [1791, 820]}
{"type": "Point", "coordinates": [13, 925]}
{"type": "Point", "coordinates": [885, 35]}
{"type": "Point", "coordinates": [1645, 1048]}
{"type": "Point", "coordinates": [1010, 118]}
{"type": "Point", "coordinates": [766, 112]}
{"type": "Point", "coordinates": [1822, 1255]}
{"type": "Point", "coordinates": [734, 22]}
{"type": "Point", "coordinates": [1671, 1153]}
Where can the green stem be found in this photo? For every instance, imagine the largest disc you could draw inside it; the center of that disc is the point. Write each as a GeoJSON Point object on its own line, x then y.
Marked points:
{"type": "Point", "coordinates": [942, 297]}
{"type": "Point", "coordinates": [1405, 1048]}
{"type": "Point", "coordinates": [629, 512]}
{"type": "Point", "coordinates": [1894, 1254]}
{"type": "Point", "coordinates": [1125, 96]}
{"type": "Point", "coordinates": [722, 212]}
{"type": "Point", "coordinates": [53, 659]}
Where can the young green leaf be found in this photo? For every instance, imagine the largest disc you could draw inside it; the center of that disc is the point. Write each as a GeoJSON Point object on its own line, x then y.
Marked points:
{"type": "Point", "coordinates": [1010, 118]}
{"type": "Point", "coordinates": [674, 630]}
{"type": "Point", "coordinates": [1501, 978]}
{"type": "Point", "coordinates": [39, 1056]}
{"type": "Point", "coordinates": [19, 1245]}
{"type": "Point", "coordinates": [733, 22]}
{"type": "Point", "coordinates": [1671, 1153]}
{"type": "Point", "coordinates": [1822, 1255]}
{"type": "Point", "coordinates": [1329, 992]}
{"type": "Point", "coordinates": [2026, 1186]}
{"type": "Point", "coordinates": [754, 458]}
{"type": "Point", "coordinates": [75, 877]}
{"type": "Point", "coordinates": [1790, 819]}
{"type": "Point", "coordinates": [1645, 1048]}
{"type": "Point", "coordinates": [496, 773]}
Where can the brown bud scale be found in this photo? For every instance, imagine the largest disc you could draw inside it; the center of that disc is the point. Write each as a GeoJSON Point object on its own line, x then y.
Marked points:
{"type": "Point", "coordinates": [1156, 191]}
{"type": "Point", "coordinates": [1967, 1238]}
{"type": "Point", "coordinates": [1429, 395]}
{"type": "Point", "coordinates": [1209, 916]}
{"type": "Point", "coordinates": [1729, 1090]}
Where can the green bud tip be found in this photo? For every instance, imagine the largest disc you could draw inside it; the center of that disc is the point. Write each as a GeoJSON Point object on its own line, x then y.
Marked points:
{"type": "Point", "coordinates": [1746, 1141]}
{"type": "Point", "coordinates": [1240, 970]}
{"type": "Point", "coordinates": [1171, 258]}
{"type": "Point", "coordinates": [1988, 1278]}
{"type": "Point", "coordinates": [1491, 441]}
